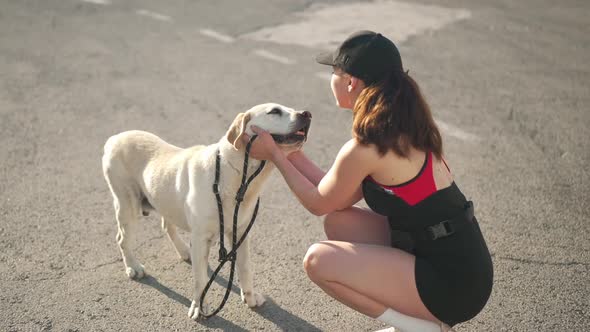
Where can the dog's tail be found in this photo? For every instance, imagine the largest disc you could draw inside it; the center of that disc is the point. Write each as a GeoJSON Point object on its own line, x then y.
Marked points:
{"type": "Point", "coordinates": [107, 154]}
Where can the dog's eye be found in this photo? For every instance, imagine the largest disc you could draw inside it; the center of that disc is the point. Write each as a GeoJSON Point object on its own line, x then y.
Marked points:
{"type": "Point", "coordinates": [275, 111]}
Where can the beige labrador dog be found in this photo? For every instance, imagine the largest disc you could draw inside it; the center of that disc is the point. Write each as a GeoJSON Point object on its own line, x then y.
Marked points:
{"type": "Point", "coordinates": [145, 173]}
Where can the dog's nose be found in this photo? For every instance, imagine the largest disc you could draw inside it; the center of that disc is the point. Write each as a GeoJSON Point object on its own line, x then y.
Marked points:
{"type": "Point", "coordinates": [306, 114]}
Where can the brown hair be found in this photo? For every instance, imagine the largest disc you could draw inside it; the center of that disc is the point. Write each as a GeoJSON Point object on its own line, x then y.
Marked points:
{"type": "Point", "coordinates": [393, 115]}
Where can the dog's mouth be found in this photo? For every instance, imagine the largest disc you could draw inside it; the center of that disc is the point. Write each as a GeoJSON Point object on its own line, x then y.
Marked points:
{"type": "Point", "coordinates": [299, 135]}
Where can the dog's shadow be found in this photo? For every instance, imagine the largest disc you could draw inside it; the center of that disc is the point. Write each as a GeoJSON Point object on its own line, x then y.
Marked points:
{"type": "Point", "coordinates": [270, 311]}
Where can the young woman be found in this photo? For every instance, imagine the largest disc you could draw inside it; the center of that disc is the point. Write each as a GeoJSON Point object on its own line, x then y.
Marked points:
{"type": "Point", "coordinates": [395, 162]}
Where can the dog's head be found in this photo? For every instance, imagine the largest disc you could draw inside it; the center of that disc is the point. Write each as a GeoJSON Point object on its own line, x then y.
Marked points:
{"type": "Point", "coordinates": [288, 127]}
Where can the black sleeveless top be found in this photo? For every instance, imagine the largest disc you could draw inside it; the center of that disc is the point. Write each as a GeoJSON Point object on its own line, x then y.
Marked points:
{"type": "Point", "coordinates": [454, 274]}
{"type": "Point", "coordinates": [441, 205]}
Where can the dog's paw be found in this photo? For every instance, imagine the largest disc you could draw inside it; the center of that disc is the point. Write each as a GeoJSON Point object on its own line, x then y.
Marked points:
{"type": "Point", "coordinates": [185, 257]}
{"type": "Point", "coordinates": [252, 299]}
{"type": "Point", "coordinates": [196, 313]}
{"type": "Point", "coordinates": [193, 312]}
{"type": "Point", "coordinates": [183, 252]}
{"type": "Point", "coordinates": [136, 272]}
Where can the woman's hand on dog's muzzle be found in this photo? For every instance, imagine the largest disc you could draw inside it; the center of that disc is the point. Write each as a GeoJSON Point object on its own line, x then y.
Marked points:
{"type": "Point", "coordinates": [264, 147]}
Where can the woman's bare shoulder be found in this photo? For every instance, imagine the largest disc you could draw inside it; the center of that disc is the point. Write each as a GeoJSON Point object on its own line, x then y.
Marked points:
{"type": "Point", "coordinates": [354, 150]}
{"type": "Point", "coordinates": [355, 146]}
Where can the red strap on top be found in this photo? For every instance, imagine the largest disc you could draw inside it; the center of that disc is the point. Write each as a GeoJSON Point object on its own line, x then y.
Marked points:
{"type": "Point", "coordinates": [417, 189]}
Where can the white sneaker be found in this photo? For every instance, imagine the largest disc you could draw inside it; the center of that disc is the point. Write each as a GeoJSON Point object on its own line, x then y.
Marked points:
{"type": "Point", "coordinates": [443, 328]}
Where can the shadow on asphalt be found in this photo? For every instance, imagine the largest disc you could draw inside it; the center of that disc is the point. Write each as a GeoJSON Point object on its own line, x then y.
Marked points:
{"type": "Point", "coordinates": [222, 281]}
{"type": "Point", "coordinates": [153, 282]}
{"type": "Point", "coordinates": [269, 311]}
{"type": "Point", "coordinates": [214, 322]}
{"type": "Point", "coordinates": [283, 319]}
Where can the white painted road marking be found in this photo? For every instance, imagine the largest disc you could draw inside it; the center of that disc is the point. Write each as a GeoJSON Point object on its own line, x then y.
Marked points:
{"type": "Point", "coordinates": [98, 2]}
{"type": "Point", "coordinates": [154, 15]}
{"type": "Point", "coordinates": [216, 35]}
{"type": "Point", "coordinates": [324, 75]}
{"type": "Point", "coordinates": [326, 26]}
{"type": "Point", "coordinates": [456, 132]}
{"type": "Point", "coordinates": [319, 29]}
{"type": "Point", "coordinates": [274, 57]}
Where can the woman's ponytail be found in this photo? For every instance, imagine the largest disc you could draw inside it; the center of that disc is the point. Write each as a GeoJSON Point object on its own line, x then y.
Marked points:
{"type": "Point", "coordinates": [393, 115]}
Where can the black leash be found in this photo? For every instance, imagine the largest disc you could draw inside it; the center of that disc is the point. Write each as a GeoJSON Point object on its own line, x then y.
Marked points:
{"type": "Point", "coordinates": [224, 256]}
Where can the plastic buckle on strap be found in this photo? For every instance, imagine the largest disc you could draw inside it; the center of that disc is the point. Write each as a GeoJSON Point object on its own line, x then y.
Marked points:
{"type": "Point", "coordinates": [440, 230]}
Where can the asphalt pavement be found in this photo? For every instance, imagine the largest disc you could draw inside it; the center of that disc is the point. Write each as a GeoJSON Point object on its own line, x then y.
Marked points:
{"type": "Point", "coordinates": [508, 82]}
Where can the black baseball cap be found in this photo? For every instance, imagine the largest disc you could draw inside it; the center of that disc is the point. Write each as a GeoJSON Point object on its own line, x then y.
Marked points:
{"type": "Point", "coordinates": [365, 54]}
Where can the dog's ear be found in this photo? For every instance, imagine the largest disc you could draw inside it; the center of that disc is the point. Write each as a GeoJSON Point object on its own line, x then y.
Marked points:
{"type": "Point", "coordinates": [237, 129]}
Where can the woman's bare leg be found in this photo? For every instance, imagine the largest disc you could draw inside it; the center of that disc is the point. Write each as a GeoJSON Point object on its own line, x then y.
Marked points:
{"type": "Point", "coordinates": [367, 278]}
{"type": "Point", "coordinates": [359, 225]}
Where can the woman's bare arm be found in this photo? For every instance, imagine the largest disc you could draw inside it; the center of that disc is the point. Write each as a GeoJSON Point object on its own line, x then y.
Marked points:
{"type": "Point", "coordinates": [307, 167]}
{"type": "Point", "coordinates": [313, 173]}
{"type": "Point", "coordinates": [338, 189]}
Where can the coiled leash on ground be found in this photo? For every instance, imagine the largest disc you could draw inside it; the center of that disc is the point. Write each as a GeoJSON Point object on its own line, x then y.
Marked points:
{"type": "Point", "coordinates": [224, 256]}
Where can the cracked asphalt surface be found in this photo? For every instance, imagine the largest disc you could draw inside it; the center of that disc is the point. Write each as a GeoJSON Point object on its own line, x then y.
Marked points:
{"type": "Point", "coordinates": [72, 73]}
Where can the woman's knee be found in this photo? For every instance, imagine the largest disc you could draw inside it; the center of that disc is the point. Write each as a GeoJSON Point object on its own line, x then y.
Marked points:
{"type": "Point", "coordinates": [312, 262]}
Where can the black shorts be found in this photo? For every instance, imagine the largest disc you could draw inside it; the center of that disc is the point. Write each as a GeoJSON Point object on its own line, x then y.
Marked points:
{"type": "Point", "coordinates": [454, 275]}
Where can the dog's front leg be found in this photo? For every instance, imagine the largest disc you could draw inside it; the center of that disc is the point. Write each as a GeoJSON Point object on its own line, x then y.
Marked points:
{"type": "Point", "coordinates": [249, 296]}
{"type": "Point", "coordinates": [199, 251]}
